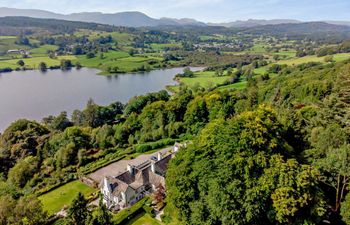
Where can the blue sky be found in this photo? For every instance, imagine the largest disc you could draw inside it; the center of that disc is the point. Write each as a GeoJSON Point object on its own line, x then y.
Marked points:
{"type": "Point", "coordinates": [204, 10]}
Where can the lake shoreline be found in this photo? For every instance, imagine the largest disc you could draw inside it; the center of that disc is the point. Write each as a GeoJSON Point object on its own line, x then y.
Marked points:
{"type": "Point", "coordinates": [53, 91]}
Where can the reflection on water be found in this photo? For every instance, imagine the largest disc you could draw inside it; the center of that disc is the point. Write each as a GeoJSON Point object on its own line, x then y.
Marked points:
{"type": "Point", "coordinates": [34, 94]}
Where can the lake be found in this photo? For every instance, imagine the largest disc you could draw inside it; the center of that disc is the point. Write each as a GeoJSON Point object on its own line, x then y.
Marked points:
{"type": "Point", "coordinates": [34, 95]}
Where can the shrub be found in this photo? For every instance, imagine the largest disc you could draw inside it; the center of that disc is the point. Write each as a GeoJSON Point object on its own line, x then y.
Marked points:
{"type": "Point", "coordinates": [6, 70]}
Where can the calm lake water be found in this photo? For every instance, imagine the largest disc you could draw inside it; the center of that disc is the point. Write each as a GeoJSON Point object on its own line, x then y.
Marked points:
{"type": "Point", "coordinates": [35, 95]}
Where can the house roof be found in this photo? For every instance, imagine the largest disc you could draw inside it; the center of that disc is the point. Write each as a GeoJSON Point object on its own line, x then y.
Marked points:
{"type": "Point", "coordinates": [143, 175]}
{"type": "Point", "coordinates": [162, 165]}
{"type": "Point", "coordinates": [156, 179]}
{"type": "Point", "coordinates": [117, 186]}
{"type": "Point", "coordinates": [126, 177]}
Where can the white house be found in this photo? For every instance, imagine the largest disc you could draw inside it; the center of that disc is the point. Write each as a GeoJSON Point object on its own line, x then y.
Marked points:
{"type": "Point", "coordinates": [132, 185]}
{"type": "Point", "coordinates": [18, 51]}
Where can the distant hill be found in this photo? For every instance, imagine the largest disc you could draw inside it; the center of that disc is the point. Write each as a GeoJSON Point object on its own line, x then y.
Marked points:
{"type": "Point", "coordinates": [127, 19]}
{"type": "Point", "coordinates": [314, 30]}
{"type": "Point", "coordinates": [254, 23]}
{"type": "Point", "coordinates": [344, 23]}
{"type": "Point", "coordinates": [299, 28]}
{"type": "Point", "coordinates": [17, 25]}
{"type": "Point", "coordinates": [29, 13]}
{"type": "Point", "coordinates": [139, 19]}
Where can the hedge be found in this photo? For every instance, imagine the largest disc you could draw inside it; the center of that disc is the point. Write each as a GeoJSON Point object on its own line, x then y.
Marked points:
{"type": "Point", "coordinates": [141, 148]}
{"type": "Point", "coordinates": [127, 214]}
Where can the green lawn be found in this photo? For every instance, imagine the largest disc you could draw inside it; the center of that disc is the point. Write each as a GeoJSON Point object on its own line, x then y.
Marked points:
{"type": "Point", "coordinates": [56, 199]}
{"type": "Point", "coordinates": [143, 219]}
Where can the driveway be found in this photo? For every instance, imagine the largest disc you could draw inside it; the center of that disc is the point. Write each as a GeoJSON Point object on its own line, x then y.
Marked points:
{"type": "Point", "coordinates": [116, 168]}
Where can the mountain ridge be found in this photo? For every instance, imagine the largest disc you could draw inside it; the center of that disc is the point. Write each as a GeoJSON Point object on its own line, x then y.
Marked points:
{"type": "Point", "coordinates": [139, 19]}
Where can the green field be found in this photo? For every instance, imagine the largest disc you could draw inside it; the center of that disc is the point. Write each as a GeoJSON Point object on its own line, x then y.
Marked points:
{"type": "Point", "coordinates": [206, 79]}
{"type": "Point", "coordinates": [111, 56]}
{"type": "Point", "coordinates": [122, 60]}
{"type": "Point", "coordinates": [240, 85]}
{"type": "Point", "coordinates": [211, 37]}
{"type": "Point", "coordinates": [160, 47]}
{"type": "Point", "coordinates": [56, 199]}
{"type": "Point", "coordinates": [8, 42]}
{"type": "Point", "coordinates": [123, 39]}
{"type": "Point", "coordinates": [288, 54]}
{"type": "Point", "coordinates": [7, 37]}
{"type": "Point", "coordinates": [143, 219]}
{"type": "Point", "coordinates": [33, 63]}
{"type": "Point", "coordinates": [42, 50]}
{"type": "Point", "coordinates": [337, 57]}
{"type": "Point", "coordinates": [261, 70]}
{"type": "Point", "coordinates": [259, 48]}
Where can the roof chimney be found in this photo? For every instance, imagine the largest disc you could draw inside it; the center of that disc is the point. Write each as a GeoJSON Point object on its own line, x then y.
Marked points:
{"type": "Point", "coordinates": [107, 184]}
{"type": "Point", "coordinates": [159, 156]}
{"type": "Point", "coordinates": [130, 168]}
{"type": "Point", "coordinates": [153, 167]}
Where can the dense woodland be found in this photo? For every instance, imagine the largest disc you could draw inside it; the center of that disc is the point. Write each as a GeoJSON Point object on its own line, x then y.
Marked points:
{"type": "Point", "coordinates": [274, 152]}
